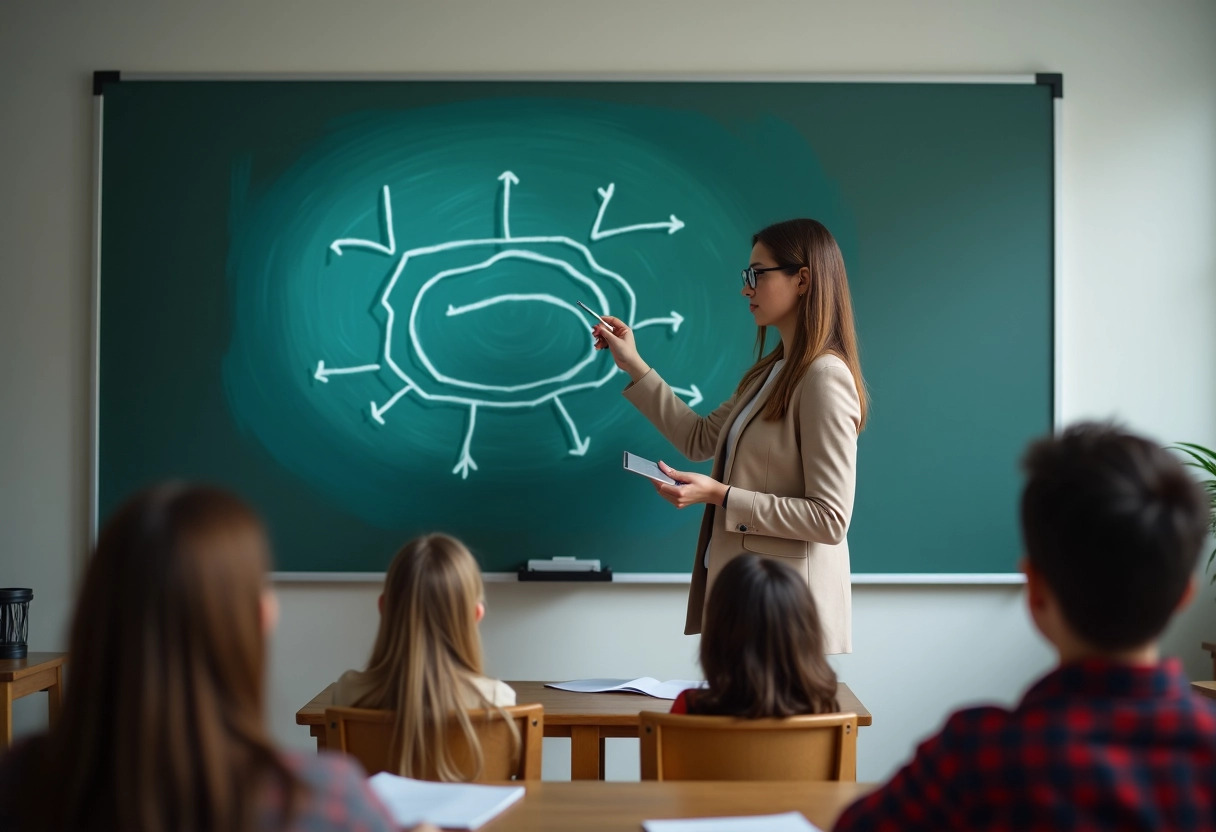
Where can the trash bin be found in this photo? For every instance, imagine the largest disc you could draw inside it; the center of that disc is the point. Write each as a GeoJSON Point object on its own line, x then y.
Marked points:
{"type": "Point", "coordinates": [14, 622]}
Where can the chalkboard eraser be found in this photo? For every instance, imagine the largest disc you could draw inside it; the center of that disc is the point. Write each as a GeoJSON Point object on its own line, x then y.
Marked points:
{"type": "Point", "coordinates": [526, 574]}
{"type": "Point", "coordinates": [564, 564]}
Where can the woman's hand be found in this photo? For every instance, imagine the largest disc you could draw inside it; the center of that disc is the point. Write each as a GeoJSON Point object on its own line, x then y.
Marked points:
{"type": "Point", "coordinates": [624, 349]}
{"type": "Point", "coordinates": [693, 488]}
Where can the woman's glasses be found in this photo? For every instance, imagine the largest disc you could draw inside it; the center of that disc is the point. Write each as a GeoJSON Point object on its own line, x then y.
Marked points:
{"type": "Point", "coordinates": [750, 274]}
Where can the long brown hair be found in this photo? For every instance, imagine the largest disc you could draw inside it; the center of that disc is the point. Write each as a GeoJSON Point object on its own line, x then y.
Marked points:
{"type": "Point", "coordinates": [825, 316]}
{"type": "Point", "coordinates": [762, 645]}
{"type": "Point", "coordinates": [428, 653]}
{"type": "Point", "coordinates": [162, 728]}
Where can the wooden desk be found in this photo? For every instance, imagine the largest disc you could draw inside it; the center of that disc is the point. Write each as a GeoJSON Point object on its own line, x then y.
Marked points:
{"type": "Point", "coordinates": [1207, 689]}
{"type": "Point", "coordinates": [21, 677]}
{"type": "Point", "coordinates": [617, 807]}
{"type": "Point", "coordinates": [586, 718]}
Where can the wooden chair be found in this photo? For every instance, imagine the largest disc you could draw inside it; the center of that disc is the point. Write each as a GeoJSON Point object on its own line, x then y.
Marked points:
{"type": "Point", "coordinates": [689, 747]}
{"type": "Point", "coordinates": [365, 735]}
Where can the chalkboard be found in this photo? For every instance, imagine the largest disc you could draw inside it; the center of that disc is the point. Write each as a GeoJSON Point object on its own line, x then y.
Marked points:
{"type": "Point", "coordinates": [352, 302]}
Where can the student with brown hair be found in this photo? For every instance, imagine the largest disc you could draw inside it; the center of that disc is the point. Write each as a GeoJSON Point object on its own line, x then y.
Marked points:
{"type": "Point", "coordinates": [1113, 738]}
{"type": "Point", "coordinates": [785, 444]}
{"type": "Point", "coordinates": [162, 727]}
{"type": "Point", "coordinates": [762, 649]}
{"type": "Point", "coordinates": [426, 664]}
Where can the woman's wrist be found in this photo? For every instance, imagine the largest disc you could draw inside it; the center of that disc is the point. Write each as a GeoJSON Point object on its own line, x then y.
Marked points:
{"type": "Point", "coordinates": [636, 371]}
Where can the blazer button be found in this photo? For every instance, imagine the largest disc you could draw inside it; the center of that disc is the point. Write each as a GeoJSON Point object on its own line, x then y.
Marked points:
{"type": "Point", "coordinates": [742, 527]}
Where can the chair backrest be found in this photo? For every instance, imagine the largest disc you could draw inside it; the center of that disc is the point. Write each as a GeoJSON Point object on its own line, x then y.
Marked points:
{"type": "Point", "coordinates": [366, 735]}
{"type": "Point", "coordinates": [690, 747]}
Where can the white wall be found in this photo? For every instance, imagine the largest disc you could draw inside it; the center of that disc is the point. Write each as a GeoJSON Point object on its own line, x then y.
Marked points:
{"type": "Point", "coordinates": [1138, 313]}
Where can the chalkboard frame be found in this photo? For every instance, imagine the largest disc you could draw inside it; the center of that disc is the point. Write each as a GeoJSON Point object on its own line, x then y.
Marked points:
{"type": "Point", "coordinates": [103, 77]}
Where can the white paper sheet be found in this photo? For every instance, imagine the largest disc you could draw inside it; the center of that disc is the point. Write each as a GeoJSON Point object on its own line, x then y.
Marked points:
{"type": "Point", "coordinates": [645, 684]}
{"type": "Point", "coordinates": [447, 805]}
{"type": "Point", "coordinates": [787, 822]}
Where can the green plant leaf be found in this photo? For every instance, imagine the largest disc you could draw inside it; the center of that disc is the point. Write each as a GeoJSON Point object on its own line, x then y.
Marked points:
{"type": "Point", "coordinates": [1202, 458]}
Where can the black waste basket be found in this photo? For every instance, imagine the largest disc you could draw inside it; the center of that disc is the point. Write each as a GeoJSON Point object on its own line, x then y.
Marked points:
{"type": "Point", "coordinates": [14, 621]}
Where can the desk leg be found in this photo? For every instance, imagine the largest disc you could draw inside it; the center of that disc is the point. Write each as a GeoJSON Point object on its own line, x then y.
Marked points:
{"type": "Point", "coordinates": [585, 750]}
{"type": "Point", "coordinates": [6, 718]}
{"type": "Point", "coordinates": [54, 698]}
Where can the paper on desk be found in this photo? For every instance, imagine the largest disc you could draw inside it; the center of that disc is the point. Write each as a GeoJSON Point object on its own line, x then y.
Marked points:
{"type": "Point", "coordinates": [646, 685]}
{"type": "Point", "coordinates": [448, 805]}
{"type": "Point", "coordinates": [788, 822]}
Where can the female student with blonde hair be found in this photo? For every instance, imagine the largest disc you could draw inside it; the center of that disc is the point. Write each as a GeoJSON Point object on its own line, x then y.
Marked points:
{"type": "Point", "coordinates": [162, 727]}
{"type": "Point", "coordinates": [762, 648]}
{"type": "Point", "coordinates": [785, 444]}
{"type": "Point", "coordinates": [426, 664]}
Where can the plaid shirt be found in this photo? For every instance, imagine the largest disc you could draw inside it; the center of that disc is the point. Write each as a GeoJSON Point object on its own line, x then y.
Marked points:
{"type": "Point", "coordinates": [1091, 746]}
{"type": "Point", "coordinates": [338, 797]}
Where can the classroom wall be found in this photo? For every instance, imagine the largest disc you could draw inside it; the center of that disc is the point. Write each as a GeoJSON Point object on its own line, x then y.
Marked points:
{"type": "Point", "coordinates": [1138, 310]}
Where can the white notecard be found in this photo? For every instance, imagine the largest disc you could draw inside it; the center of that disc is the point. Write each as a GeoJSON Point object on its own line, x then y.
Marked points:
{"type": "Point", "coordinates": [787, 822]}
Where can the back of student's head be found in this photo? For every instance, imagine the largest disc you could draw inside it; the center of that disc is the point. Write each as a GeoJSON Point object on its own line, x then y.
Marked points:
{"type": "Point", "coordinates": [162, 724]}
{"type": "Point", "coordinates": [762, 645]}
{"type": "Point", "coordinates": [1114, 525]}
{"type": "Point", "coordinates": [428, 651]}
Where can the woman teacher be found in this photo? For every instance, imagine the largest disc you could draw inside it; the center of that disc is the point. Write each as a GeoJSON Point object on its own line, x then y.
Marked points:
{"type": "Point", "coordinates": [785, 444]}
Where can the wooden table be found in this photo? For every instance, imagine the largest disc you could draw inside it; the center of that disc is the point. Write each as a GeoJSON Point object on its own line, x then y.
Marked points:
{"type": "Point", "coordinates": [21, 677]}
{"type": "Point", "coordinates": [586, 718]}
{"type": "Point", "coordinates": [617, 807]}
{"type": "Point", "coordinates": [1207, 689]}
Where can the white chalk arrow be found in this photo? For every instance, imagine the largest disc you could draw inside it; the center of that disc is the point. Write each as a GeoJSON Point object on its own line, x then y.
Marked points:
{"type": "Point", "coordinates": [379, 411]}
{"type": "Point", "coordinates": [671, 226]}
{"type": "Point", "coordinates": [508, 179]}
{"type": "Point", "coordinates": [674, 322]}
{"type": "Point", "coordinates": [580, 445]}
{"type": "Point", "coordinates": [323, 373]}
{"type": "Point", "coordinates": [693, 394]}
{"type": "Point", "coordinates": [390, 249]}
{"type": "Point", "coordinates": [466, 459]}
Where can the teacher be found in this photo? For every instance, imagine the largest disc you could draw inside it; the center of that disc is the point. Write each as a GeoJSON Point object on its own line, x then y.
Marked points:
{"type": "Point", "coordinates": [785, 444]}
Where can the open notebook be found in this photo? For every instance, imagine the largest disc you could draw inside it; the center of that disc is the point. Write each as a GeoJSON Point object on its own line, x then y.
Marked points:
{"type": "Point", "coordinates": [787, 822]}
{"type": "Point", "coordinates": [646, 685]}
{"type": "Point", "coordinates": [446, 805]}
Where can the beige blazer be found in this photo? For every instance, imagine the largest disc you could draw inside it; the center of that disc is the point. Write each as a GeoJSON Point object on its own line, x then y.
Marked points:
{"type": "Point", "coordinates": [792, 485]}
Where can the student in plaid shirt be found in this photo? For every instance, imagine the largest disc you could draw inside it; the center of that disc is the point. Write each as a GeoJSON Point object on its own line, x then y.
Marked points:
{"type": "Point", "coordinates": [1113, 738]}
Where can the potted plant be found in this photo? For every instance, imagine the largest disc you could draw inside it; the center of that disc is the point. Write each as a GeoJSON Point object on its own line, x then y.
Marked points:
{"type": "Point", "coordinates": [1205, 460]}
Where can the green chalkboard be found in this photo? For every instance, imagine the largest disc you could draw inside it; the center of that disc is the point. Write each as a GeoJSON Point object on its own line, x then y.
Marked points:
{"type": "Point", "coordinates": [352, 302]}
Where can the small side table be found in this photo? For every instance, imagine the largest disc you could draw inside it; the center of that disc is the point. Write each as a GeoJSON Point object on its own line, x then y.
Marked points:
{"type": "Point", "coordinates": [21, 677]}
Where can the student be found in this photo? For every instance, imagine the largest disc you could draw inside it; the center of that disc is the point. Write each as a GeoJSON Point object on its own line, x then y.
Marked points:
{"type": "Point", "coordinates": [1113, 738]}
{"type": "Point", "coordinates": [426, 663]}
{"type": "Point", "coordinates": [162, 727]}
{"type": "Point", "coordinates": [784, 444]}
{"type": "Point", "coordinates": [762, 649]}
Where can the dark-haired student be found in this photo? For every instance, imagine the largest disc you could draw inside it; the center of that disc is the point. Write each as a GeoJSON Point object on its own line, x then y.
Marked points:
{"type": "Point", "coordinates": [1113, 738]}
{"type": "Point", "coordinates": [762, 646]}
{"type": "Point", "coordinates": [162, 727]}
